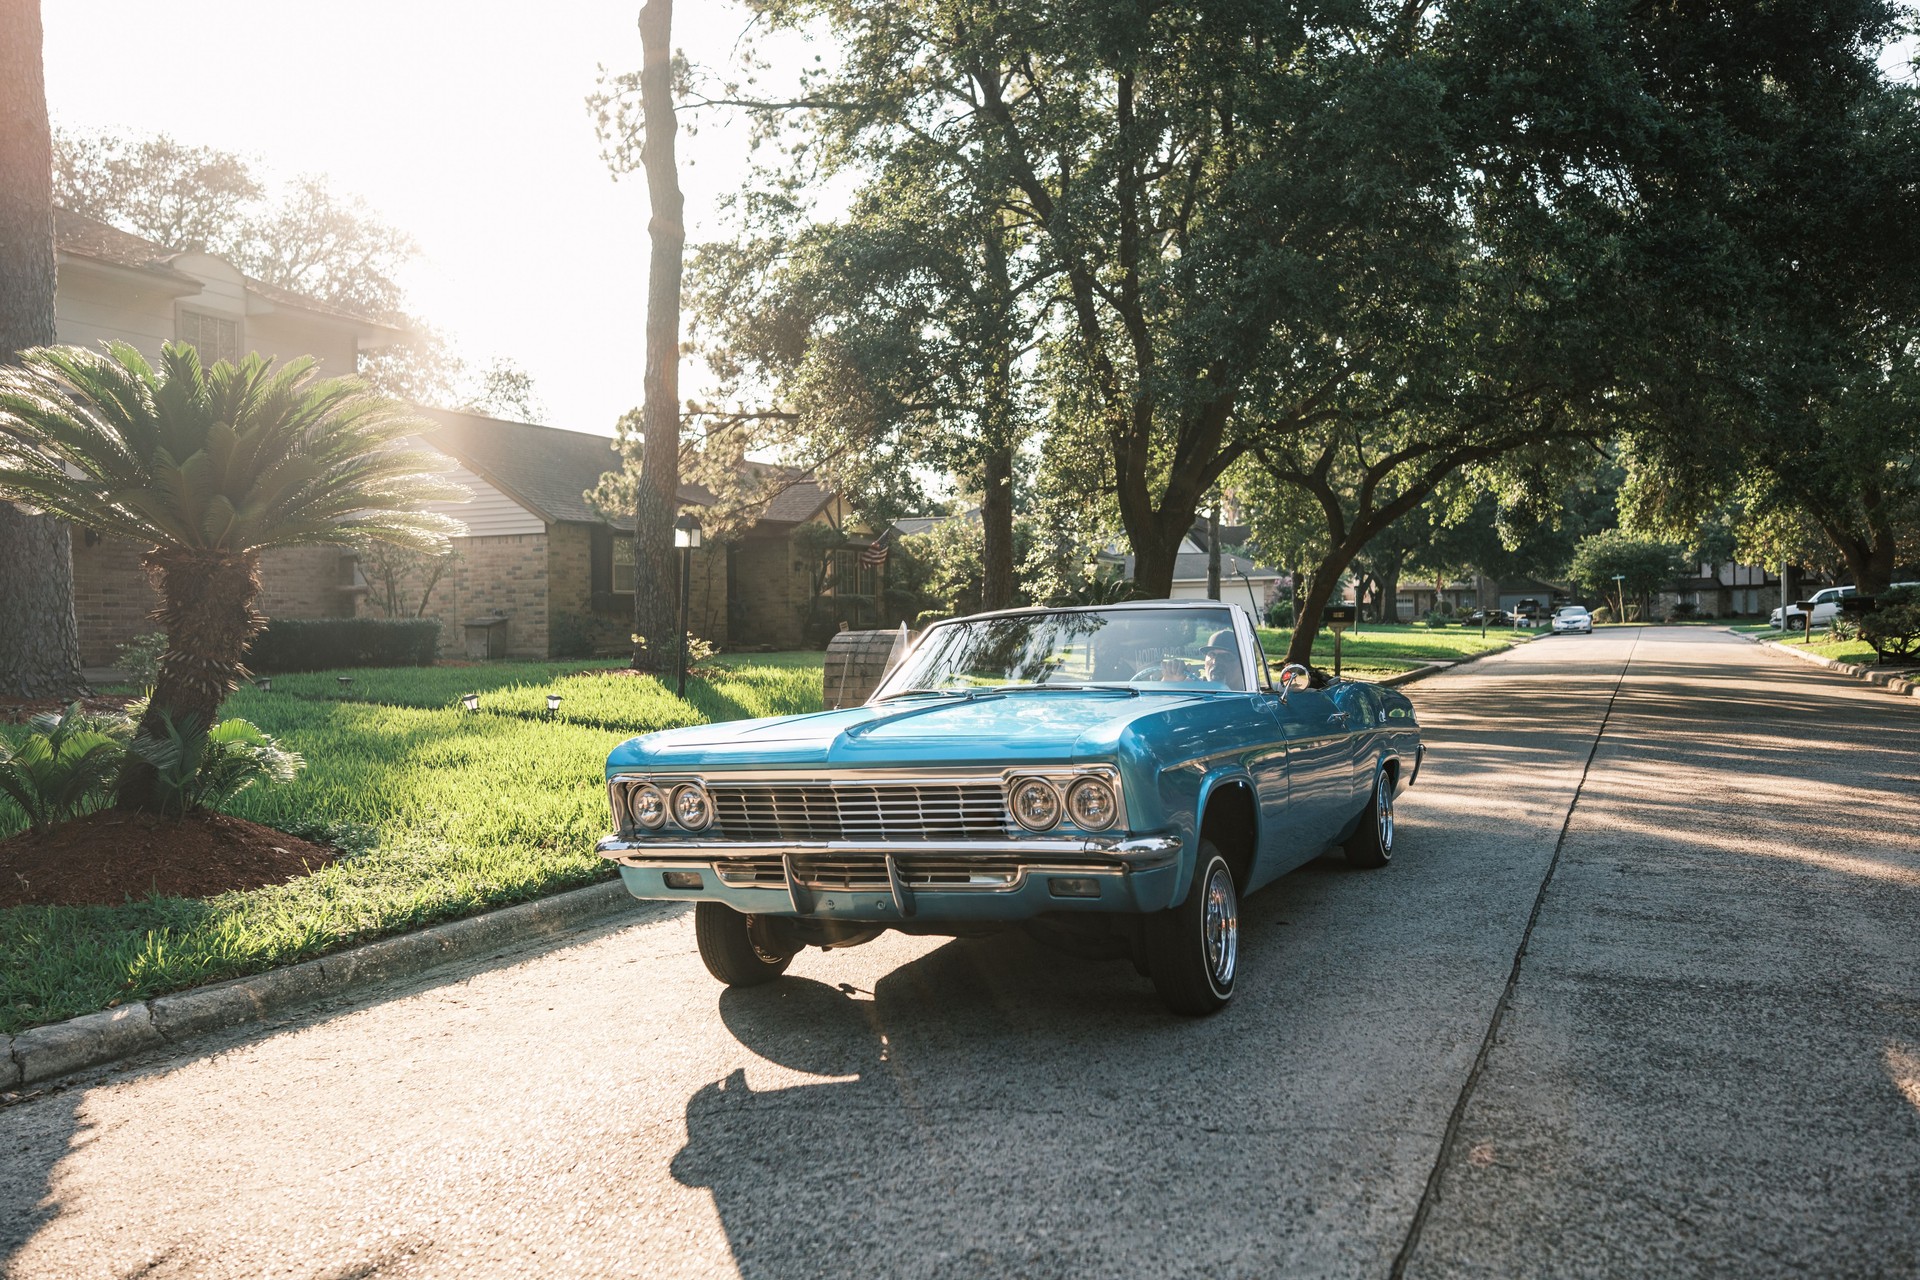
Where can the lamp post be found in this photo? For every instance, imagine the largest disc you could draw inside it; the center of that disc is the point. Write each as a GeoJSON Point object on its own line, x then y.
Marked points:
{"type": "Point", "coordinates": [686, 536]}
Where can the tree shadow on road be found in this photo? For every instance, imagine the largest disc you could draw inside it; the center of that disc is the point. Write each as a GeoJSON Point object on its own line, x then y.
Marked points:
{"type": "Point", "coordinates": [40, 1129]}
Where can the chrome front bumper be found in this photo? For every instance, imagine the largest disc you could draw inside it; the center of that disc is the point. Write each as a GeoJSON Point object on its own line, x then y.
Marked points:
{"type": "Point", "coordinates": [902, 880]}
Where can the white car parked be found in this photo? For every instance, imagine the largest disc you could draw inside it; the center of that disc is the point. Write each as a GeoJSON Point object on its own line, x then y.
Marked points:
{"type": "Point", "coordinates": [1573, 617]}
{"type": "Point", "coordinates": [1826, 606]}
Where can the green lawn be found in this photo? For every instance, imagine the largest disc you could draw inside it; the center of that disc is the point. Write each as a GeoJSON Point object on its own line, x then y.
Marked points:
{"type": "Point", "coordinates": [470, 811]}
{"type": "Point", "coordinates": [1381, 650]}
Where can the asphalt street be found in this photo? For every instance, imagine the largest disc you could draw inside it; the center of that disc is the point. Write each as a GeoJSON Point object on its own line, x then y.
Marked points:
{"type": "Point", "coordinates": [1639, 996]}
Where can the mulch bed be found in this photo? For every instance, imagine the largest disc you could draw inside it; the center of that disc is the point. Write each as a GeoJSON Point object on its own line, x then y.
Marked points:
{"type": "Point", "coordinates": [107, 857]}
{"type": "Point", "coordinates": [21, 710]}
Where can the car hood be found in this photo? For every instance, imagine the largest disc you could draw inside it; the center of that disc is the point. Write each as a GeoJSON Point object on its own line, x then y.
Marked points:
{"type": "Point", "coordinates": [988, 729]}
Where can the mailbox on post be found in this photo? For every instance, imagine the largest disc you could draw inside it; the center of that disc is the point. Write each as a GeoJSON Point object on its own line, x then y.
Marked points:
{"type": "Point", "coordinates": [1806, 608]}
{"type": "Point", "coordinates": [1337, 618]}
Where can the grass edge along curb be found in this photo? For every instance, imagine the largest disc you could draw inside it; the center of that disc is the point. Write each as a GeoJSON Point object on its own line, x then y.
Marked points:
{"type": "Point", "coordinates": [1894, 684]}
{"type": "Point", "coordinates": [94, 1039]}
{"type": "Point", "coordinates": [1435, 668]}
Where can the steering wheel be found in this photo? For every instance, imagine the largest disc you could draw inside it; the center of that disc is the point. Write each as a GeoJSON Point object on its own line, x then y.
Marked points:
{"type": "Point", "coordinates": [1157, 673]}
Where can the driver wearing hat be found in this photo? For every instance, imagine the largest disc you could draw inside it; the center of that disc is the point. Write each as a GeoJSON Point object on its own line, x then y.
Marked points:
{"type": "Point", "coordinates": [1223, 659]}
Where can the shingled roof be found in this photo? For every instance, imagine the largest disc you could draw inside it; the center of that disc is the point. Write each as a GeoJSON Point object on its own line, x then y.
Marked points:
{"type": "Point", "coordinates": [548, 470]}
{"type": "Point", "coordinates": [85, 237]}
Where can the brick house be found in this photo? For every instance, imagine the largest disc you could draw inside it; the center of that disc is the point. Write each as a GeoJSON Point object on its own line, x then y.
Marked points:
{"type": "Point", "coordinates": [538, 553]}
{"type": "Point", "coordinates": [112, 285]}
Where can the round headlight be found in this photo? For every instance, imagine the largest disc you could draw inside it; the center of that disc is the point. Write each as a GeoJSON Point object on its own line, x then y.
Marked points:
{"type": "Point", "coordinates": [648, 806]}
{"type": "Point", "coordinates": [1036, 805]}
{"type": "Point", "coordinates": [1092, 805]}
{"type": "Point", "coordinates": [691, 808]}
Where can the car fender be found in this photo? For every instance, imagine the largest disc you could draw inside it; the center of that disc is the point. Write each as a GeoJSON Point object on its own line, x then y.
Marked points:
{"type": "Point", "coordinates": [1212, 780]}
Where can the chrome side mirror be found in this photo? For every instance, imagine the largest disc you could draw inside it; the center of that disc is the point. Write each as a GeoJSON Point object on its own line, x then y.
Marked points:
{"type": "Point", "coordinates": [1284, 681]}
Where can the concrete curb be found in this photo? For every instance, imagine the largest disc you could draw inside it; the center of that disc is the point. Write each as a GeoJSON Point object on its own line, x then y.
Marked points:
{"type": "Point", "coordinates": [1895, 684]}
{"type": "Point", "coordinates": [93, 1039]}
{"type": "Point", "coordinates": [1435, 668]}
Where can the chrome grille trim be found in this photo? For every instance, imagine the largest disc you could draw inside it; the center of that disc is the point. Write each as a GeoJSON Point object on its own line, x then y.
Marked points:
{"type": "Point", "coordinates": [867, 873]}
{"type": "Point", "coordinates": [847, 811]}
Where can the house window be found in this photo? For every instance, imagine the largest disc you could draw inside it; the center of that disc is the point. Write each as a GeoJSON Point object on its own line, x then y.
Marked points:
{"type": "Point", "coordinates": [623, 559]}
{"type": "Point", "coordinates": [216, 338]}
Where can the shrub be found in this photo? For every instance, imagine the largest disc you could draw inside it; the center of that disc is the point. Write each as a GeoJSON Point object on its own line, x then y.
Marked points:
{"type": "Point", "coordinates": [202, 770]}
{"type": "Point", "coordinates": [321, 644]}
{"type": "Point", "coordinates": [1684, 609]}
{"type": "Point", "coordinates": [1437, 618]}
{"type": "Point", "coordinates": [1602, 615]}
{"type": "Point", "coordinates": [66, 766]}
{"type": "Point", "coordinates": [1280, 614]}
{"type": "Point", "coordinates": [569, 635]}
{"type": "Point", "coordinates": [1893, 628]}
{"type": "Point", "coordinates": [140, 658]}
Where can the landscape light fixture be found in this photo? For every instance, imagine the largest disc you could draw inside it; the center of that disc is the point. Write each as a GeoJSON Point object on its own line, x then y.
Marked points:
{"type": "Point", "coordinates": [469, 702]}
{"type": "Point", "coordinates": [346, 683]}
{"type": "Point", "coordinates": [553, 705]}
{"type": "Point", "coordinates": [264, 684]}
{"type": "Point", "coordinates": [686, 536]}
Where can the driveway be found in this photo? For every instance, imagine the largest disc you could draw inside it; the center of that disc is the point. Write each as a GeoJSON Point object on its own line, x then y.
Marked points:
{"type": "Point", "coordinates": [1640, 995]}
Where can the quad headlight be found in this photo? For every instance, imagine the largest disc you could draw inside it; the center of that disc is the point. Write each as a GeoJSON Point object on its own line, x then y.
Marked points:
{"type": "Point", "coordinates": [1092, 805]}
{"type": "Point", "coordinates": [1041, 804]}
{"type": "Point", "coordinates": [648, 806]}
{"type": "Point", "coordinates": [692, 808]}
{"type": "Point", "coordinates": [1035, 803]}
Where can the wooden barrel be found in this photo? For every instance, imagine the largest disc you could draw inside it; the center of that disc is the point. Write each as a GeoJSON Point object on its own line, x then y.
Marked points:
{"type": "Point", "coordinates": [856, 663]}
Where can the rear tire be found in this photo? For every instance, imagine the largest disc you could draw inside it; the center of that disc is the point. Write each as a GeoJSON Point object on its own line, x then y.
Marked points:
{"type": "Point", "coordinates": [730, 950]}
{"type": "Point", "coordinates": [1193, 950]}
{"type": "Point", "coordinates": [1372, 844]}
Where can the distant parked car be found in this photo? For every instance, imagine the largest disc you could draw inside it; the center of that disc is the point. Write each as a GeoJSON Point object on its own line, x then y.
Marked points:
{"type": "Point", "coordinates": [1573, 617]}
{"type": "Point", "coordinates": [1826, 607]}
{"type": "Point", "coordinates": [1489, 617]}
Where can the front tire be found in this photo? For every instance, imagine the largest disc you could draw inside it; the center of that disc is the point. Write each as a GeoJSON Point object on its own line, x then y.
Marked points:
{"type": "Point", "coordinates": [1372, 844]}
{"type": "Point", "coordinates": [730, 949]}
{"type": "Point", "coordinates": [1193, 950]}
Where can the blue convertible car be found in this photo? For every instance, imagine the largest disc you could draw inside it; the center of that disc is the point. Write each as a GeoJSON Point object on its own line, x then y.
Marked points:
{"type": "Point", "coordinates": [1114, 778]}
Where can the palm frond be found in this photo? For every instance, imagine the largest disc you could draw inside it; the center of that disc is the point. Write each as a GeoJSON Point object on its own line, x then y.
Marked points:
{"type": "Point", "coordinates": [226, 458]}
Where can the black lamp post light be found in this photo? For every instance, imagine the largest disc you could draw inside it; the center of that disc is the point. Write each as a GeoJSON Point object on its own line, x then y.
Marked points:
{"type": "Point", "coordinates": [553, 705]}
{"type": "Point", "coordinates": [686, 536]}
{"type": "Point", "coordinates": [469, 702]}
{"type": "Point", "coordinates": [346, 685]}
{"type": "Point", "coordinates": [264, 684]}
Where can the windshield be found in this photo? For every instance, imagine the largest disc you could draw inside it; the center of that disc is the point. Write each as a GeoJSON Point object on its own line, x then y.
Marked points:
{"type": "Point", "coordinates": [1186, 649]}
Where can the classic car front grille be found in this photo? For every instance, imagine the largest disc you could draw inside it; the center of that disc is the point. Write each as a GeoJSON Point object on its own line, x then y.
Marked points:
{"type": "Point", "coordinates": [867, 872]}
{"type": "Point", "coordinates": [897, 811]}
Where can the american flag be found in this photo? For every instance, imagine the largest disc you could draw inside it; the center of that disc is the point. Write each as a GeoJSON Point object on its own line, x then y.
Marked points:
{"type": "Point", "coordinates": [874, 555]}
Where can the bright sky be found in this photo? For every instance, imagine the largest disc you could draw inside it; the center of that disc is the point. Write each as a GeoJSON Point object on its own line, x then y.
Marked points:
{"type": "Point", "coordinates": [463, 122]}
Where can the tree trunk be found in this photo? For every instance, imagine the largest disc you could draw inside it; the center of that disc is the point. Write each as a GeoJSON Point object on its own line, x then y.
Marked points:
{"type": "Point", "coordinates": [1155, 545]}
{"type": "Point", "coordinates": [1389, 577]}
{"type": "Point", "coordinates": [657, 495]}
{"type": "Point", "coordinates": [1307, 610]}
{"type": "Point", "coordinates": [1213, 553]}
{"type": "Point", "coordinates": [996, 527]}
{"type": "Point", "coordinates": [39, 642]}
{"type": "Point", "coordinates": [996, 481]}
{"type": "Point", "coordinates": [206, 609]}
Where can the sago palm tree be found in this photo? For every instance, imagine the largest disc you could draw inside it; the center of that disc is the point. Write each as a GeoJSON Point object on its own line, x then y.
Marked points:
{"type": "Point", "coordinates": [207, 468]}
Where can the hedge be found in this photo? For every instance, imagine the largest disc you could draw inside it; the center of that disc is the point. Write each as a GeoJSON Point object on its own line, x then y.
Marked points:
{"type": "Point", "coordinates": [320, 644]}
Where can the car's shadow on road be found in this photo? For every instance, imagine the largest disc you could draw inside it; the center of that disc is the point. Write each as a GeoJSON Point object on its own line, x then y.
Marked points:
{"type": "Point", "coordinates": [997, 1107]}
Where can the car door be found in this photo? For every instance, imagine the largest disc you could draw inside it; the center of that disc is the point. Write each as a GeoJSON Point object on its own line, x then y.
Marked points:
{"type": "Point", "coordinates": [1319, 767]}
